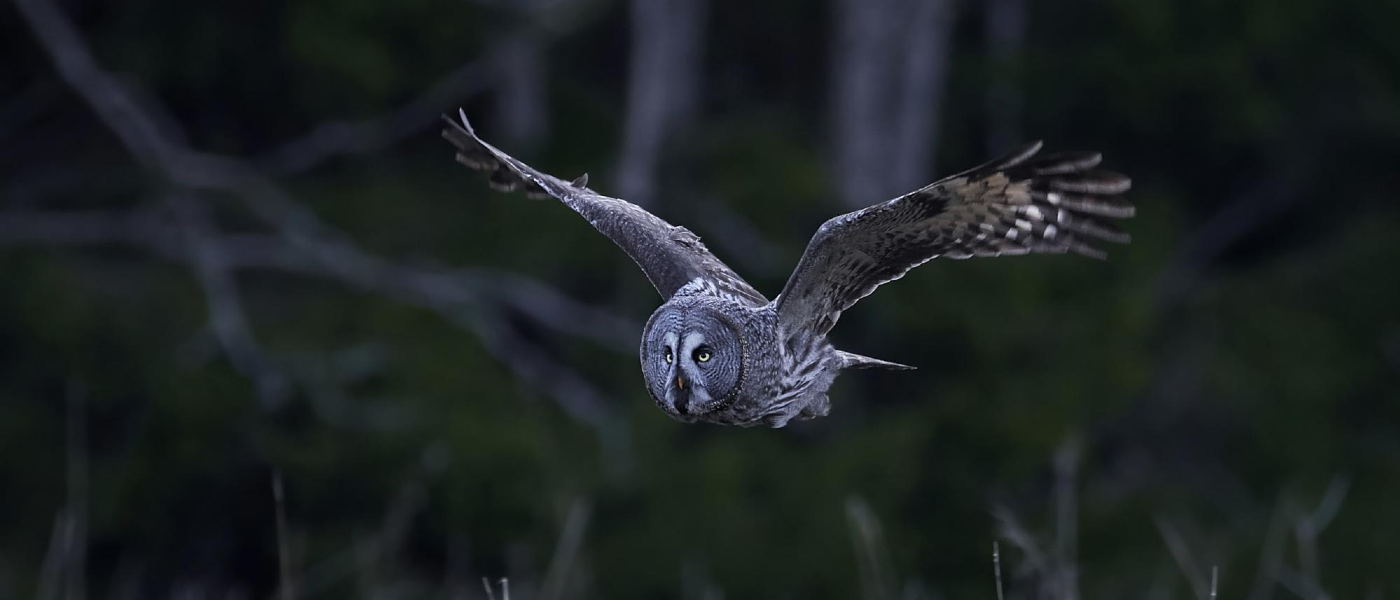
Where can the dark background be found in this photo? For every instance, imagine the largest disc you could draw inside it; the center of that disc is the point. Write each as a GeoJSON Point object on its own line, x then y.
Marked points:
{"type": "Point", "coordinates": [233, 247]}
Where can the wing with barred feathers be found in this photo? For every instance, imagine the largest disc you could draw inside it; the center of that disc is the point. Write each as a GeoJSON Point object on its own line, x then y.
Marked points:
{"type": "Point", "coordinates": [1019, 204]}
{"type": "Point", "coordinates": [670, 256]}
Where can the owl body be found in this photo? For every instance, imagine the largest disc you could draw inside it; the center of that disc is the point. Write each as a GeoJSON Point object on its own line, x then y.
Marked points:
{"type": "Point", "coordinates": [718, 351]}
{"type": "Point", "coordinates": [751, 373]}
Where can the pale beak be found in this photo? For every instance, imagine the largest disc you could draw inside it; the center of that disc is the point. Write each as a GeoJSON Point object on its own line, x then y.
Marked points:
{"type": "Point", "coordinates": [680, 381]}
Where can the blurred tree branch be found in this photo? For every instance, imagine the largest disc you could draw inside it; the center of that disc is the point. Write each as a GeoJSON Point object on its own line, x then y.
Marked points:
{"type": "Point", "coordinates": [226, 317]}
{"type": "Point", "coordinates": [366, 136]}
{"type": "Point", "coordinates": [65, 563]}
{"type": "Point", "coordinates": [1185, 559]}
{"type": "Point", "coordinates": [427, 287]}
{"type": "Point", "coordinates": [475, 301]}
{"type": "Point", "coordinates": [461, 296]}
{"type": "Point", "coordinates": [872, 556]}
{"type": "Point", "coordinates": [516, 66]}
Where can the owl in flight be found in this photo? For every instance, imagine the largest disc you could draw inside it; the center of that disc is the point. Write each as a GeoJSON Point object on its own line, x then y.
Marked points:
{"type": "Point", "coordinates": [718, 351]}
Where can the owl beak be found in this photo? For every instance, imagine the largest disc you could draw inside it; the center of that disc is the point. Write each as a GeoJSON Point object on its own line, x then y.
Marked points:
{"type": "Point", "coordinates": [680, 381]}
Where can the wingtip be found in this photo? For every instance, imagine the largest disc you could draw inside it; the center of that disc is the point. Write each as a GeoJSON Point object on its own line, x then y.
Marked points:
{"type": "Point", "coordinates": [466, 124]}
{"type": "Point", "coordinates": [1088, 251]}
{"type": "Point", "coordinates": [1028, 149]}
{"type": "Point", "coordinates": [851, 360]}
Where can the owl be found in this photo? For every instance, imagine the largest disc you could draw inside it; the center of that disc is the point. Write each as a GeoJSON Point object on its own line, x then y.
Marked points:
{"type": "Point", "coordinates": [718, 351]}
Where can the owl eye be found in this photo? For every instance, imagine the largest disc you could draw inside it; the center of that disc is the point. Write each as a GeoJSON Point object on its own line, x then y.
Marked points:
{"type": "Point", "coordinates": [702, 354]}
{"type": "Point", "coordinates": [668, 356]}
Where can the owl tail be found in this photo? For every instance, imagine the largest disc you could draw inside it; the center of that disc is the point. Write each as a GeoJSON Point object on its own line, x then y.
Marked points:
{"type": "Point", "coordinates": [851, 360]}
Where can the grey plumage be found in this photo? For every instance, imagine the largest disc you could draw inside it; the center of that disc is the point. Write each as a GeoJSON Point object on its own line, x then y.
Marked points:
{"type": "Point", "coordinates": [718, 351]}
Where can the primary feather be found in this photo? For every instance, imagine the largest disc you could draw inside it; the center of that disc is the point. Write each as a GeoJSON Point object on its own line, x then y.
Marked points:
{"type": "Point", "coordinates": [1018, 204]}
{"type": "Point", "coordinates": [718, 351]}
{"type": "Point", "coordinates": [670, 256]}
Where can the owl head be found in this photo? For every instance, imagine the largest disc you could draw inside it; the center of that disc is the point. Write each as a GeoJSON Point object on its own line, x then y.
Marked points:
{"type": "Point", "coordinates": [693, 357]}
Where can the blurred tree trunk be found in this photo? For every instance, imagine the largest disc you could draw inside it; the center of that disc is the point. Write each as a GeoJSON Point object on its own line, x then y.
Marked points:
{"type": "Point", "coordinates": [522, 88]}
{"type": "Point", "coordinates": [522, 76]}
{"type": "Point", "coordinates": [1005, 22]}
{"type": "Point", "coordinates": [663, 82]}
{"type": "Point", "coordinates": [890, 68]}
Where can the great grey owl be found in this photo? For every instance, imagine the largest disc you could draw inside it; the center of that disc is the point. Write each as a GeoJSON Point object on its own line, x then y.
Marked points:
{"type": "Point", "coordinates": [718, 351]}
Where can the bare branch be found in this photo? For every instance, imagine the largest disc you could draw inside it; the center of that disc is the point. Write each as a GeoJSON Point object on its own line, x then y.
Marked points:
{"type": "Point", "coordinates": [75, 568]}
{"type": "Point", "coordinates": [516, 66]}
{"type": "Point", "coordinates": [1066, 518]}
{"type": "Point", "coordinates": [333, 254]}
{"type": "Point", "coordinates": [76, 66]}
{"type": "Point", "coordinates": [1331, 502]}
{"type": "Point", "coordinates": [226, 317]}
{"type": "Point", "coordinates": [996, 568]}
{"type": "Point", "coordinates": [366, 136]}
{"type": "Point", "coordinates": [1009, 527]}
{"type": "Point", "coordinates": [491, 594]}
{"type": "Point", "coordinates": [566, 551]}
{"type": "Point", "coordinates": [457, 295]}
{"type": "Point", "coordinates": [1310, 526]}
{"type": "Point", "coordinates": [286, 585]}
{"type": "Point", "coordinates": [1298, 584]}
{"type": "Point", "coordinates": [1184, 559]}
{"type": "Point", "coordinates": [1271, 553]}
{"type": "Point", "coordinates": [55, 559]}
{"type": "Point", "coordinates": [871, 554]}
{"type": "Point", "coordinates": [64, 571]}
{"type": "Point", "coordinates": [1057, 571]}
{"type": "Point", "coordinates": [421, 286]}
{"type": "Point", "coordinates": [528, 363]}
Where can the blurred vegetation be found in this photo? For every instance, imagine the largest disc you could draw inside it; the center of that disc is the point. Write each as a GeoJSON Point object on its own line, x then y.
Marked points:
{"type": "Point", "coordinates": [1205, 384]}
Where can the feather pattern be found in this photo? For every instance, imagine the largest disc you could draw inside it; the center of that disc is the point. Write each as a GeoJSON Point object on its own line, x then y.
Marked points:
{"type": "Point", "coordinates": [717, 351]}
{"type": "Point", "coordinates": [1021, 203]}
{"type": "Point", "coordinates": [670, 256]}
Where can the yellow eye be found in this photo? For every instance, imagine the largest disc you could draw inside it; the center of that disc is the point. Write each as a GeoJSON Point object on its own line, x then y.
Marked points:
{"type": "Point", "coordinates": [668, 356]}
{"type": "Point", "coordinates": [702, 355]}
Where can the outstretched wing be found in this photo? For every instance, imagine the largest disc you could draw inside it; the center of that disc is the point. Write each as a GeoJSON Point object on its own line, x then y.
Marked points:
{"type": "Point", "coordinates": [1017, 204]}
{"type": "Point", "coordinates": [670, 256]}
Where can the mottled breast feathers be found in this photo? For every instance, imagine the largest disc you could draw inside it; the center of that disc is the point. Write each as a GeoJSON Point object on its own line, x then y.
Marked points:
{"type": "Point", "coordinates": [717, 351]}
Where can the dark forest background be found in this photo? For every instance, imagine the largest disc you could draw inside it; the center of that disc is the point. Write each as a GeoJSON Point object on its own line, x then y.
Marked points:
{"type": "Point", "coordinates": [234, 250]}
